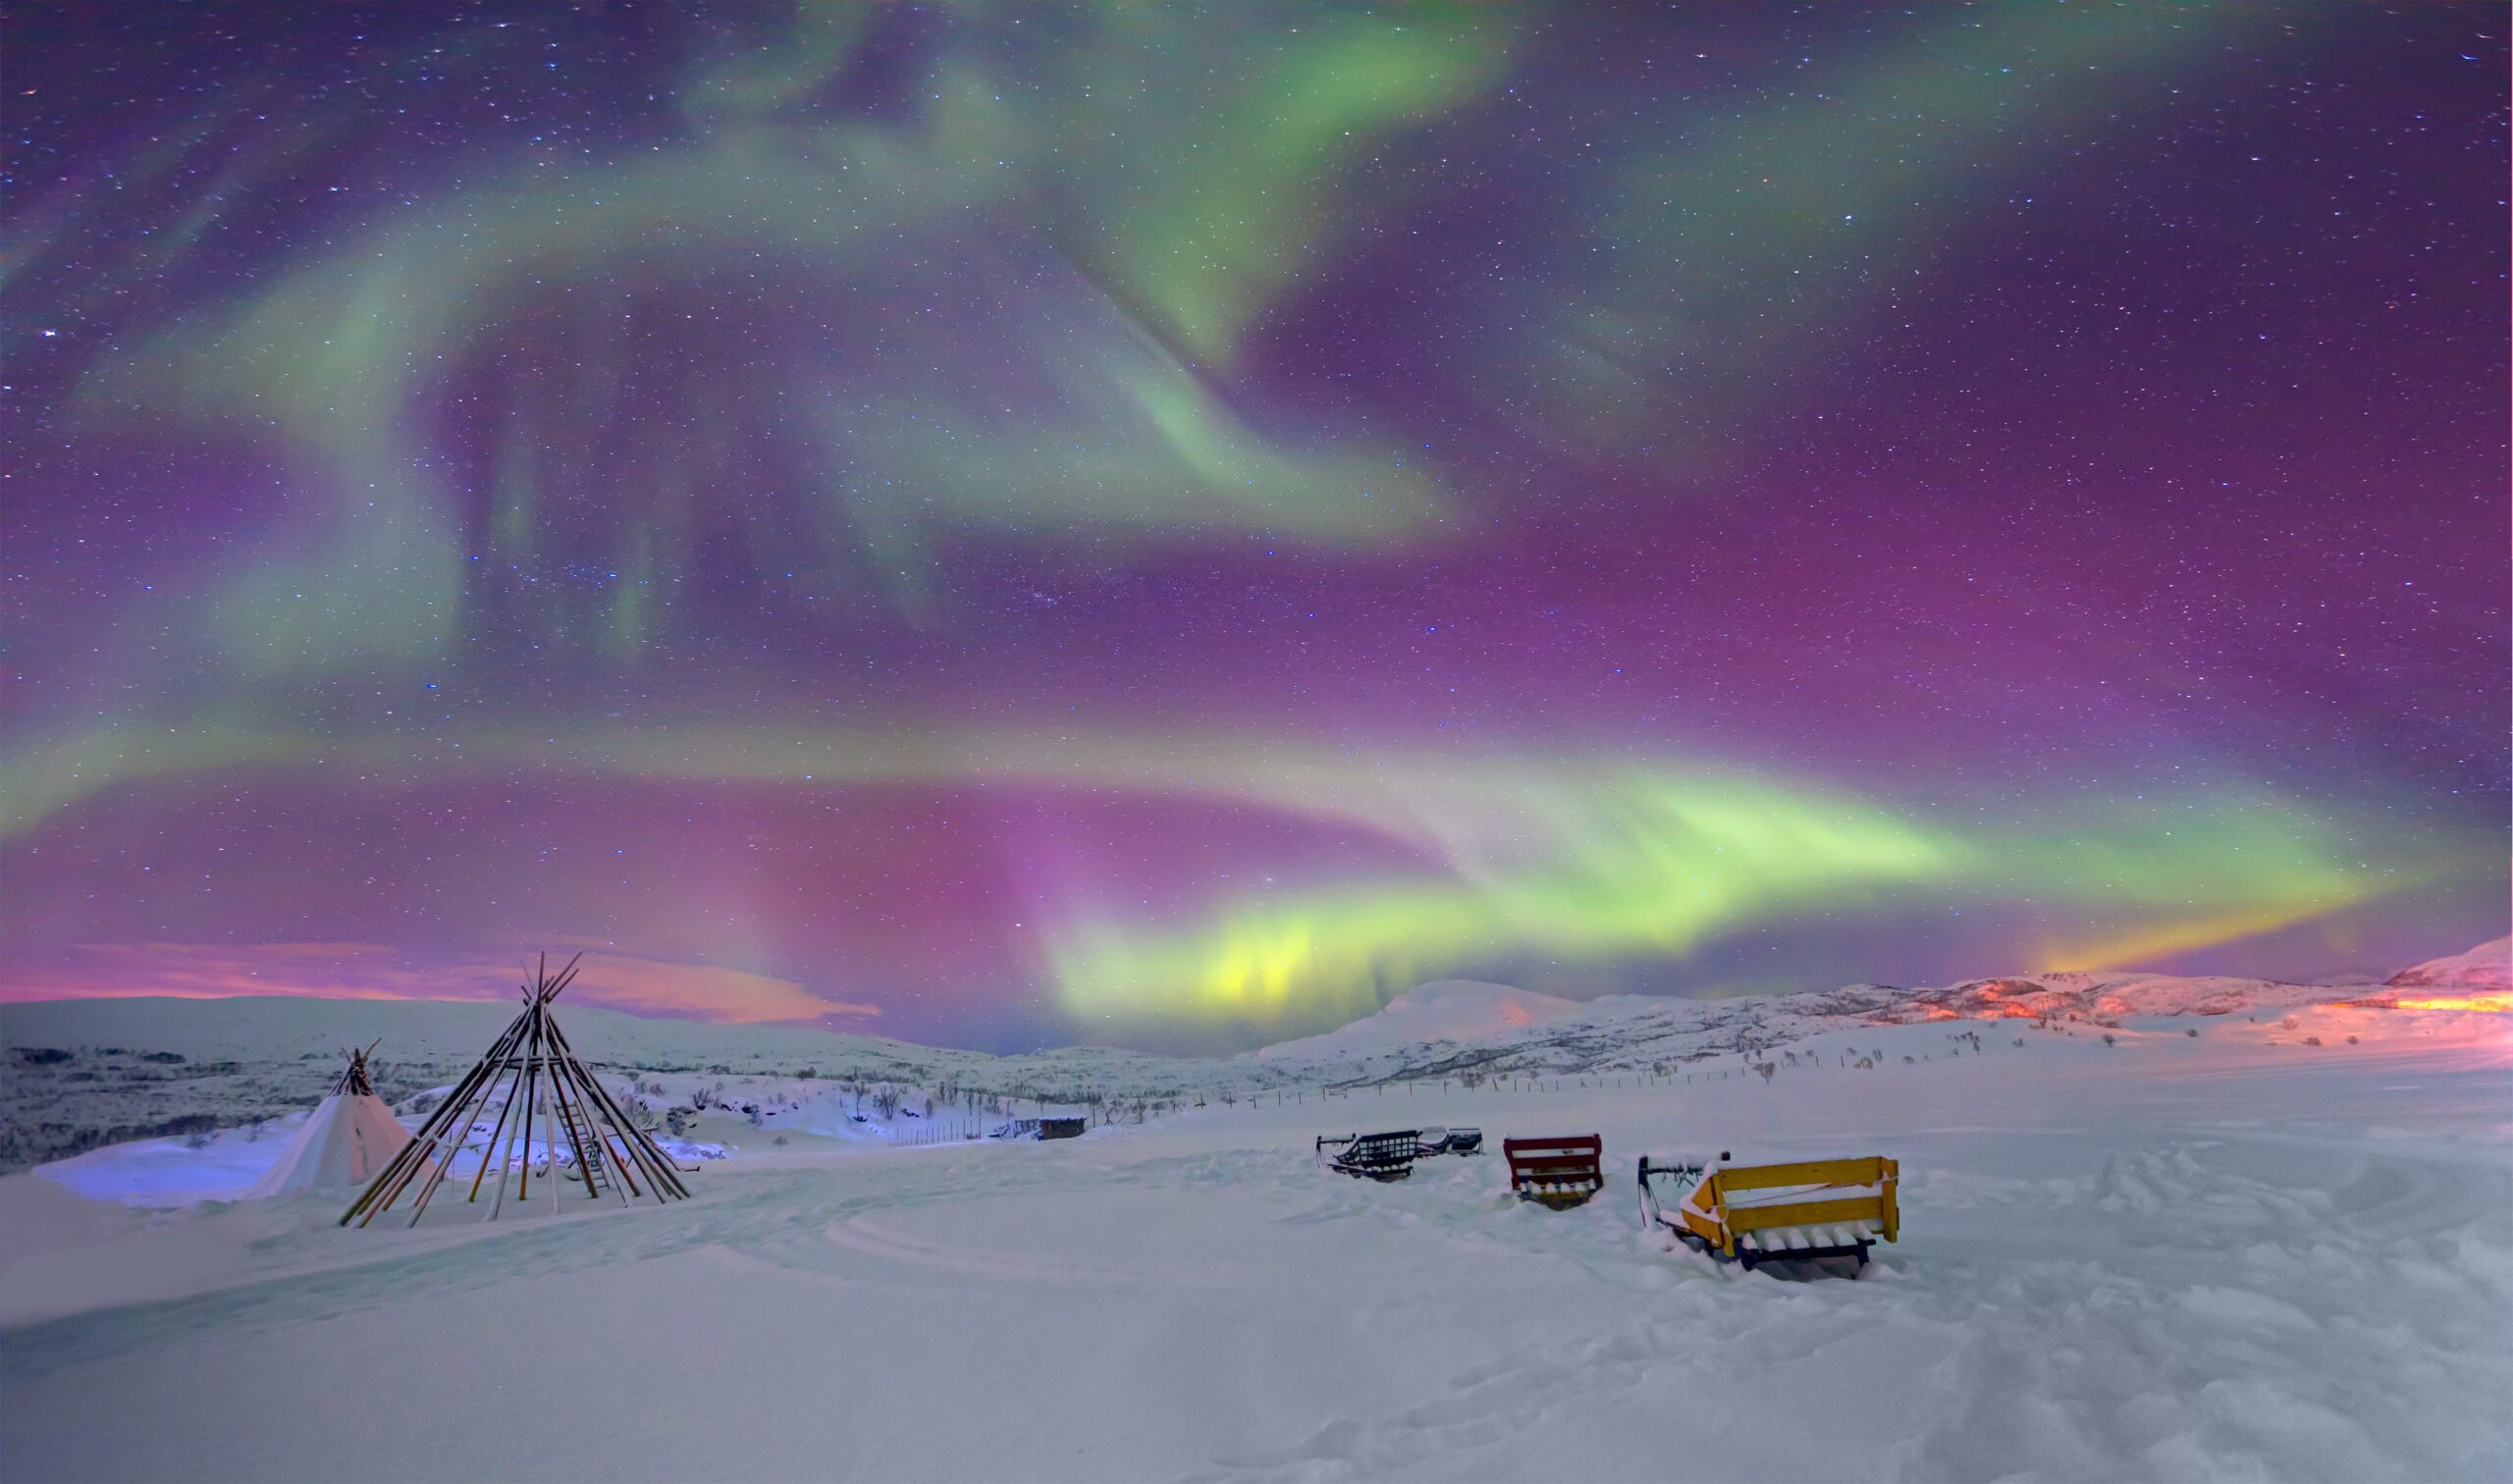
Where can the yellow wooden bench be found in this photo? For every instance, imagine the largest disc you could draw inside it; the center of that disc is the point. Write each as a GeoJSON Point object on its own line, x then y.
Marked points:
{"type": "Point", "coordinates": [1778, 1212]}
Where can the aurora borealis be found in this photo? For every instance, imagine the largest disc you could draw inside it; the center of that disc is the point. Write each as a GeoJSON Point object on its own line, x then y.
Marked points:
{"type": "Point", "coordinates": [1168, 525]}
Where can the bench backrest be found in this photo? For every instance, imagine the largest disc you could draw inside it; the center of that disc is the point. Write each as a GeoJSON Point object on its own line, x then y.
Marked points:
{"type": "Point", "coordinates": [1575, 1157]}
{"type": "Point", "coordinates": [1839, 1193]}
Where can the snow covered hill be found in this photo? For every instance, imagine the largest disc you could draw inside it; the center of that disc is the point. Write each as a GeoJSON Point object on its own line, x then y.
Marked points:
{"type": "Point", "coordinates": [2489, 965]}
{"type": "Point", "coordinates": [1445, 1010]}
{"type": "Point", "coordinates": [1636, 1034]}
{"type": "Point", "coordinates": [185, 1087]}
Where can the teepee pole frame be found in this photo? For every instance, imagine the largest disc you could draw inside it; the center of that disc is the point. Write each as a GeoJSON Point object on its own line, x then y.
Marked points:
{"type": "Point", "coordinates": [540, 1072]}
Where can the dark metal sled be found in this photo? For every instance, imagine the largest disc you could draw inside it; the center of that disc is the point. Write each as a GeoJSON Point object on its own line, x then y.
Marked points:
{"type": "Point", "coordinates": [1040, 1127]}
{"type": "Point", "coordinates": [1373, 1156]}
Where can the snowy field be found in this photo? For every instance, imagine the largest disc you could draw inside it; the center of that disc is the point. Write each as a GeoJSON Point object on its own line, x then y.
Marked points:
{"type": "Point", "coordinates": [2231, 1255]}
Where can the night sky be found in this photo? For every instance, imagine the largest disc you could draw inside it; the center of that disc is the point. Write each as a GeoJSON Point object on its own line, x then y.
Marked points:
{"type": "Point", "coordinates": [1167, 526]}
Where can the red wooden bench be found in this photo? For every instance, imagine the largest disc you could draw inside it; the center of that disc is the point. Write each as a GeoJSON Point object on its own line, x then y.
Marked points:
{"type": "Point", "coordinates": [1560, 1173]}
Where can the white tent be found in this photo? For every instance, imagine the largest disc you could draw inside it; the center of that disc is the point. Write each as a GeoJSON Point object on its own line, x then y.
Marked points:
{"type": "Point", "coordinates": [346, 1140]}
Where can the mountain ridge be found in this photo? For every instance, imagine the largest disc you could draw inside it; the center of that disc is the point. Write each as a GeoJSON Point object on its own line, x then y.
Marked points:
{"type": "Point", "coordinates": [85, 1073]}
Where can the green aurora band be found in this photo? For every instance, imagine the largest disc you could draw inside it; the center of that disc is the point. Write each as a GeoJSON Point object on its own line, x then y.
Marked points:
{"type": "Point", "coordinates": [1581, 859]}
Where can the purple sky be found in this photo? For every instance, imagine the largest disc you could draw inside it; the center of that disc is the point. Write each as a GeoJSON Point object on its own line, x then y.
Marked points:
{"type": "Point", "coordinates": [1169, 526]}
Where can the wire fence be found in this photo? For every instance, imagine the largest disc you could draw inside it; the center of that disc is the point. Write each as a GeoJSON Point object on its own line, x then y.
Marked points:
{"type": "Point", "coordinates": [1755, 1065]}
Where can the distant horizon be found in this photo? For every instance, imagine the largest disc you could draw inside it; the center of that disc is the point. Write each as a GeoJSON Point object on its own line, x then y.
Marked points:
{"type": "Point", "coordinates": [588, 995]}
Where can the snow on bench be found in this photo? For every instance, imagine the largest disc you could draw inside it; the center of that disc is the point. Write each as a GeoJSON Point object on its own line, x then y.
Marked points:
{"type": "Point", "coordinates": [1559, 1173]}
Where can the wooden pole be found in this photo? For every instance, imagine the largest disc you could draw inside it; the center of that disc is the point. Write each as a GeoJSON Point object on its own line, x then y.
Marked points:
{"type": "Point", "coordinates": [454, 1121]}
{"type": "Point", "coordinates": [444, 1167]}
{"type": "Point", "coordinates": [659, 1166]}
{"type": "Point", "coordinates": [506, 1110]}
{"type": "Point", "coordinates": [397, 1175]}
{"type": "Point", "coordinates": [584, 1157]}
{"type": "Point", "coordinates": [523, 1126]}
{"type": "Point", "coordinates": [431, 1132]}
{"type": "Point", "coordinates": [550, 1139]}
{"type": "Point", "coordinates": [622, 1167]}
{"type": "Point", "coordinates": [569, 1073]}
{"type": "Point", "coordinates": [567, 1102]}
{"type": "Point", "coordinates": [642, 1149]}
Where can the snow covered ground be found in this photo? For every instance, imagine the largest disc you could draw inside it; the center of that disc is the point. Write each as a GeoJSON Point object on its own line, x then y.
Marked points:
{"type": "Point", "coordinates": [2267, 1251]}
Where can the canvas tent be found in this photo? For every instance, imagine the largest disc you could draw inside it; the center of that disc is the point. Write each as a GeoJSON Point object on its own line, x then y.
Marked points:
{"type": "Point", "coordinates": [346, 1140]}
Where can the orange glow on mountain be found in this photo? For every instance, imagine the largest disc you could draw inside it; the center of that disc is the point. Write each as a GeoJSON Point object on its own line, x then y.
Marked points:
{"type": "Point", "coordinates": [2492, 1002]}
